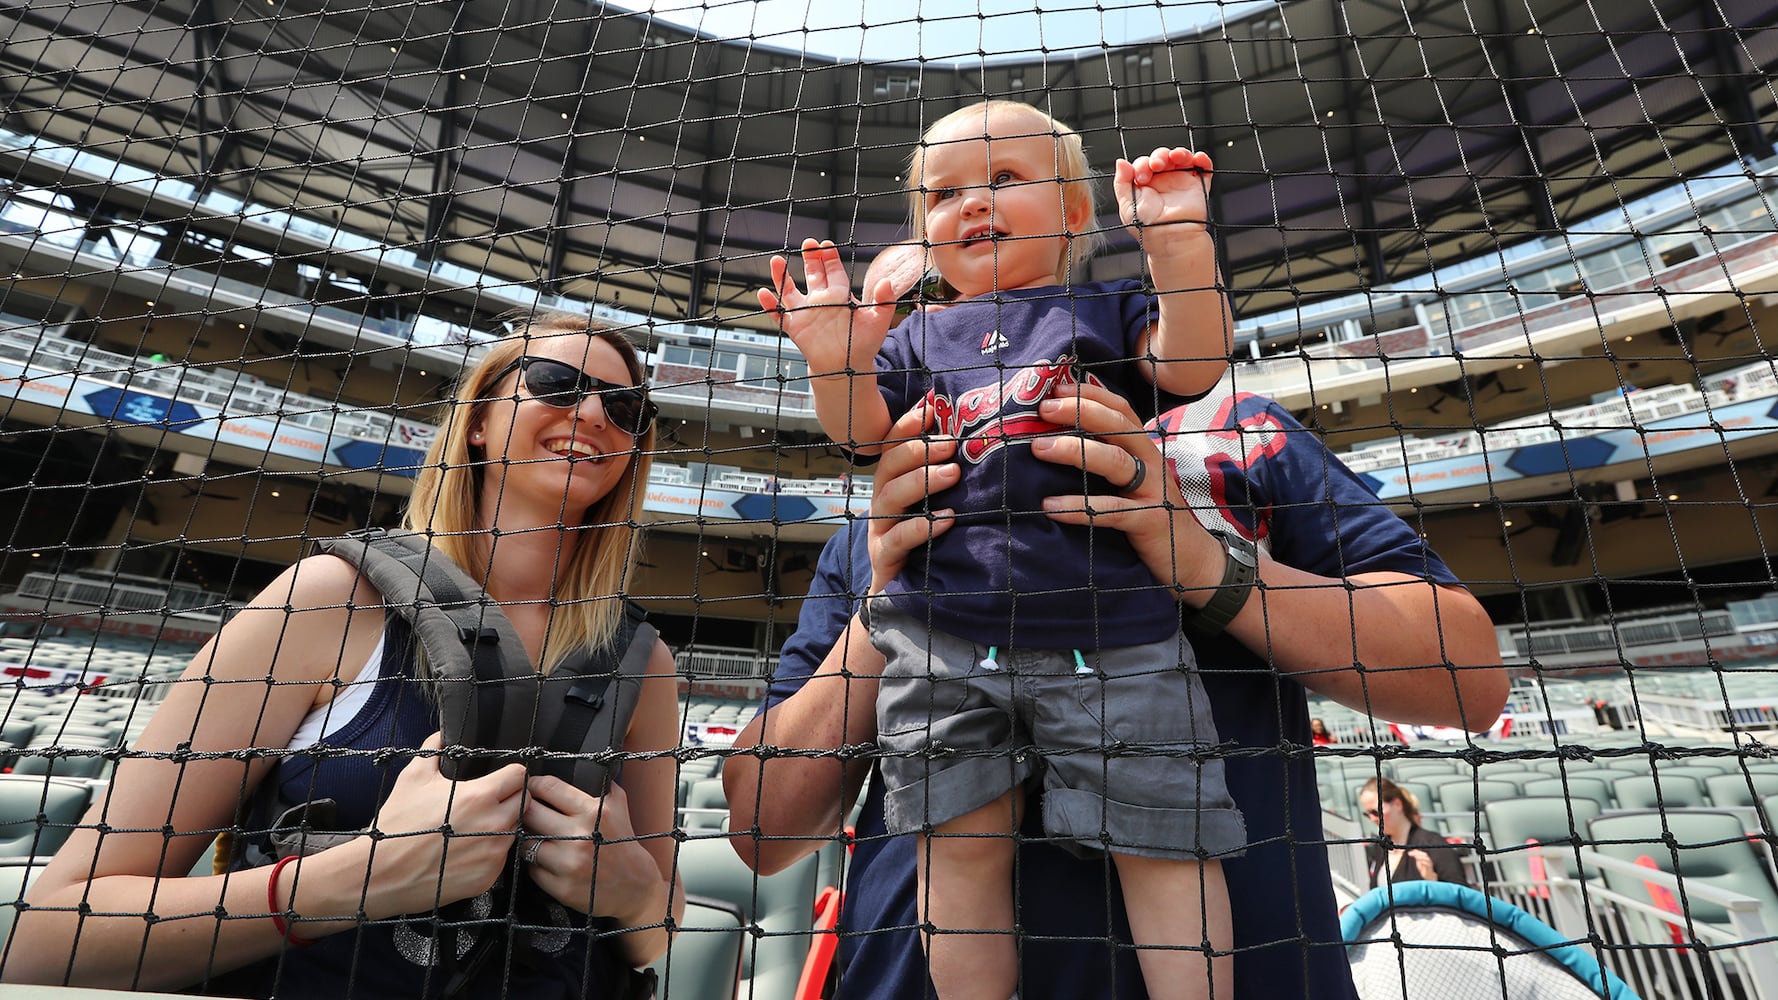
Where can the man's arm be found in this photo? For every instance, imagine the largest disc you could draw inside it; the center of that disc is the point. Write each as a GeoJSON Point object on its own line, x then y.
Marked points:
{"type": "Point", "coordinates": [1388, 644]}
{"type": "Point", "coordinates": [799, 787]}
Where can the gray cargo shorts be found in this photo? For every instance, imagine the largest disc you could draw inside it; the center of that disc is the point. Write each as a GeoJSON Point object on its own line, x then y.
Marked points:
{"type": "Point", "coordinates": [1114, 744]}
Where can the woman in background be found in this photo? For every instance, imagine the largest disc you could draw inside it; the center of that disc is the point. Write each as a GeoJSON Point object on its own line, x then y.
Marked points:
{"type": "Point", "coordinates": [1407, 851]}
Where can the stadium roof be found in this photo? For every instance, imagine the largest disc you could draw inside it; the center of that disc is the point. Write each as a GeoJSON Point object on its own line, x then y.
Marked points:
{"type": "Point", "coordinates": [612, 155]}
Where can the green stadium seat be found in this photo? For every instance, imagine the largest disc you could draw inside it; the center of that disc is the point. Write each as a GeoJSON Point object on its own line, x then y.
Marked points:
{"type": "Point", "coordinates": [91, 766]}
{"type": "Point", "coordinates": [704, 960]}
{"type": "Point", "coordinates": [1554, 821]}
{"type": "Point", "coordinates": [1516, 777]}
{"type": "Point", "coordinates": [1465, 796]}
{"type": "Point", "coordinates": [1609, 775]}
{"type": "Point", "coordinates": [37, 815]}
{"type": "Point", "coordinates": [1591, 789]}
{"type": "Point", "coordinates": [1426, 770]}
{"type": "Point", "coordinates": [1712, 849]}
{"type": "Point", "coordinates": [1720, 765]}
{"type": "Point", "coordinates": [15, 877]}
{"type": "Point", "coordinates": [1458, 801]}
{"type": "Point", "coordinates": [1728, 791]}
{"type": "Point", "coordinates": [1702, 773]}
{"type": "Point", "coordinates": [781, 907]}
{"type": "Point", "coordinates": [17, 730]}
{"type": "Point", "coordinates": [706, 807]}
{"type": "Point", "coordinates": [1645, 791]}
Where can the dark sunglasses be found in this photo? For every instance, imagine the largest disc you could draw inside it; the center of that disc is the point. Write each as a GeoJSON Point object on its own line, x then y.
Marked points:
{"type": "Point", "coordinates": [559, 384]}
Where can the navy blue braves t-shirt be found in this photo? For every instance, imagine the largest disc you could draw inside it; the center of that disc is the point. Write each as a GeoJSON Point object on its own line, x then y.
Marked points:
{"type": "Point", "coordinates": [1005, 574]}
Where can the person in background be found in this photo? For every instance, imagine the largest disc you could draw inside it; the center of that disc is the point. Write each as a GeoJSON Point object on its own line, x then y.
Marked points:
{"type": "Point", "coordinates": [1318, 732]}
{"type": "Point", "coordinates": [1406, 851]}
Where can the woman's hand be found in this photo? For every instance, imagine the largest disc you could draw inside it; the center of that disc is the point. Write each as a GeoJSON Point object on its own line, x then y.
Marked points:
{"type": "Point", "coordinates": [583, 851]}
{"type": "Point", "coordinates": [908, 472]}
{"type": "Point", "coordinates": [1150, 510]}
{"type": "Point", "coordinates": [416, 865]}
{"type": "Point", "coordinates": [1423, 862]}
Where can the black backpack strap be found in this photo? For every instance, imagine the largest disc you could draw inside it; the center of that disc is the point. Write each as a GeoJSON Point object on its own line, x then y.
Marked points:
{"type": "Point", "coordinates": [600, 697]}
{"type": "Point", "coordinates": [474, 655]}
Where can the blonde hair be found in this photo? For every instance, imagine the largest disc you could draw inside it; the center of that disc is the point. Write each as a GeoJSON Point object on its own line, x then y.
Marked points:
{"type": "Point", "coordinates": [446, 504]}
{"type": "Point", "coordinates": [1072, 170]}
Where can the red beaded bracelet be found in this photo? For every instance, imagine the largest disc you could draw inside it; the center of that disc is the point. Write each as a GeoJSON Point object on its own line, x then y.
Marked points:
{"type": "Point", "coordinates": [271, 901]}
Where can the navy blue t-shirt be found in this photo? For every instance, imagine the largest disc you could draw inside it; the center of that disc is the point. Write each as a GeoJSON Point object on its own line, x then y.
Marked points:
{"type": "Point", "coordinates": [1275, 481]}
{"type": "Point", "coordinates": [1005, 574]}
{"type": "Point", "coordinates": [416, 956]}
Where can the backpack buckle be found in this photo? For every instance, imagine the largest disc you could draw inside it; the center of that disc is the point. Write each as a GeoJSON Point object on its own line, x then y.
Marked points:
{"type": "Point", "coordinates": [471, 636]}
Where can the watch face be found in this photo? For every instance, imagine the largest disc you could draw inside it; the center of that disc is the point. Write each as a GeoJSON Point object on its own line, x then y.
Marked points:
{"type": "Point", "coordinates": [1243, 550]}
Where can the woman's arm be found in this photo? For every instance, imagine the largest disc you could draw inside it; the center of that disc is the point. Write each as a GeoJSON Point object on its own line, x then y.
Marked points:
{"type": "Point", "coordinates": [250, 686]}
{"type": "Point", "coordinates": [185, 779]}
{"type": "Point", "coordinates": [612, 855]}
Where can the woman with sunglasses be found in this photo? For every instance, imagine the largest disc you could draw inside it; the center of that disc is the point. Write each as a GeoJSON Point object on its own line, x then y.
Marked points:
{"type": "Point", "coordinates": [533, 487]}
{"type": "Point", "coordinates": [1407, 851]}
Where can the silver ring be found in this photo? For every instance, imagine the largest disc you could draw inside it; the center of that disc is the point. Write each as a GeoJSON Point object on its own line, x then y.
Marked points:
{"type": "Point", "coordinates": [531, 852]}
{"type": "Point", "coordinates": [1137, 479]}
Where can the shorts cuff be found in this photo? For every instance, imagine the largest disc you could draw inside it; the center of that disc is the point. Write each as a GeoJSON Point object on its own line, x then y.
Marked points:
{"type": "Point", "coordinates": [1085, 819]}
{"type": "Point", "coordinates": [943, 795]}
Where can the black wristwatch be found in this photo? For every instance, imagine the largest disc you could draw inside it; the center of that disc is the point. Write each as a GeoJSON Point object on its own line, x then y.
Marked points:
{"type": "Point", "coordinates": [1239, 574]}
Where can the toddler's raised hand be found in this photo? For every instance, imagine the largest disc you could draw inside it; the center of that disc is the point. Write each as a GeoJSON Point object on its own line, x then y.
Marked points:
{"type": "Point", "coordinates": [1164, 196]}
{"type": "Point", "coordinates": [832, 329]}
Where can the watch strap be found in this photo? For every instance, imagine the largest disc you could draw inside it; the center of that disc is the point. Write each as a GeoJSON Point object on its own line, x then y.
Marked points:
{"type": "Point", "coordinates": [1240, 573]}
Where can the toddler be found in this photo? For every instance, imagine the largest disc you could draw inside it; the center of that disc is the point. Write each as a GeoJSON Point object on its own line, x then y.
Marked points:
{"type": "Point", "coordinates": [1017, 646]}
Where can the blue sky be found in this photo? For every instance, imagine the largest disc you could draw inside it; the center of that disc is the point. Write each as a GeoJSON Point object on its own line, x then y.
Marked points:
{"type": "Point", "coordinates": [950, 30]}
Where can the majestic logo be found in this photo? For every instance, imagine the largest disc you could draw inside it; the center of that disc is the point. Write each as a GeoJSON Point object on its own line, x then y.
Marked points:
{"type": "Point", "coordinates": [995, 341]}
{"type": "Point", "coordinates": [975, 418]}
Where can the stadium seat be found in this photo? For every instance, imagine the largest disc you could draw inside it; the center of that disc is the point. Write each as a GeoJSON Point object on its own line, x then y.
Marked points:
{"type": "Point", "coordinates": [1645, 791]}
{"type": "Point", "coordinates": [1426, 770]}
{"type": "Point", "coordinates": [705, 804]}
{"type": "Point", "coordinates": [1694, 762]}
{"type": "Point", "coordinates": [704, 960]}
{"type": "Point", "coordinates": [1590, 789]}
{"type": "Point", "coordinates": [1554, 821]}
{"type": "Point", "coordinates": [1463, 797]}
{"type": "Point", "coordinates": [1729, 791]}
{"type": "Point", "coordinates": [1701, 773]}
{"type": "Point", "coordinates": [1711, 848]}
{"type": "Point", "coordinates": [37, 815]}
{"type": "Point", "coordinates": [1514, 777]}
{"type": "Point", "coordinates": [82, 766]}
{"type": "Point", "coordinates": [15, 877]}
{"type": "Point", "coordinates": [17, 730]}
{"type": "Point", "coordinates": [1605, 774]}
{"type": "Point", "coordinates": [781, 907]}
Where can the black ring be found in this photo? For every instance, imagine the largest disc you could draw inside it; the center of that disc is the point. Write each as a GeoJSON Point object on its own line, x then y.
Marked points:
{"type": "Point", "coordinates": [1137, 479]}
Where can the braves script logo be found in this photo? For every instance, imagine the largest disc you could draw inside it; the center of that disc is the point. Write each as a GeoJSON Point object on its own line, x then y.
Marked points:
{"type": "Point", "coordinates": [976, 417]}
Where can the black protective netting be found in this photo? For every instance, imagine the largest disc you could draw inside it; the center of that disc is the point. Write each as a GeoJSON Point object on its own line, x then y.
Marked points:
{"type": "Point", "coordinates": [1500, 421]}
